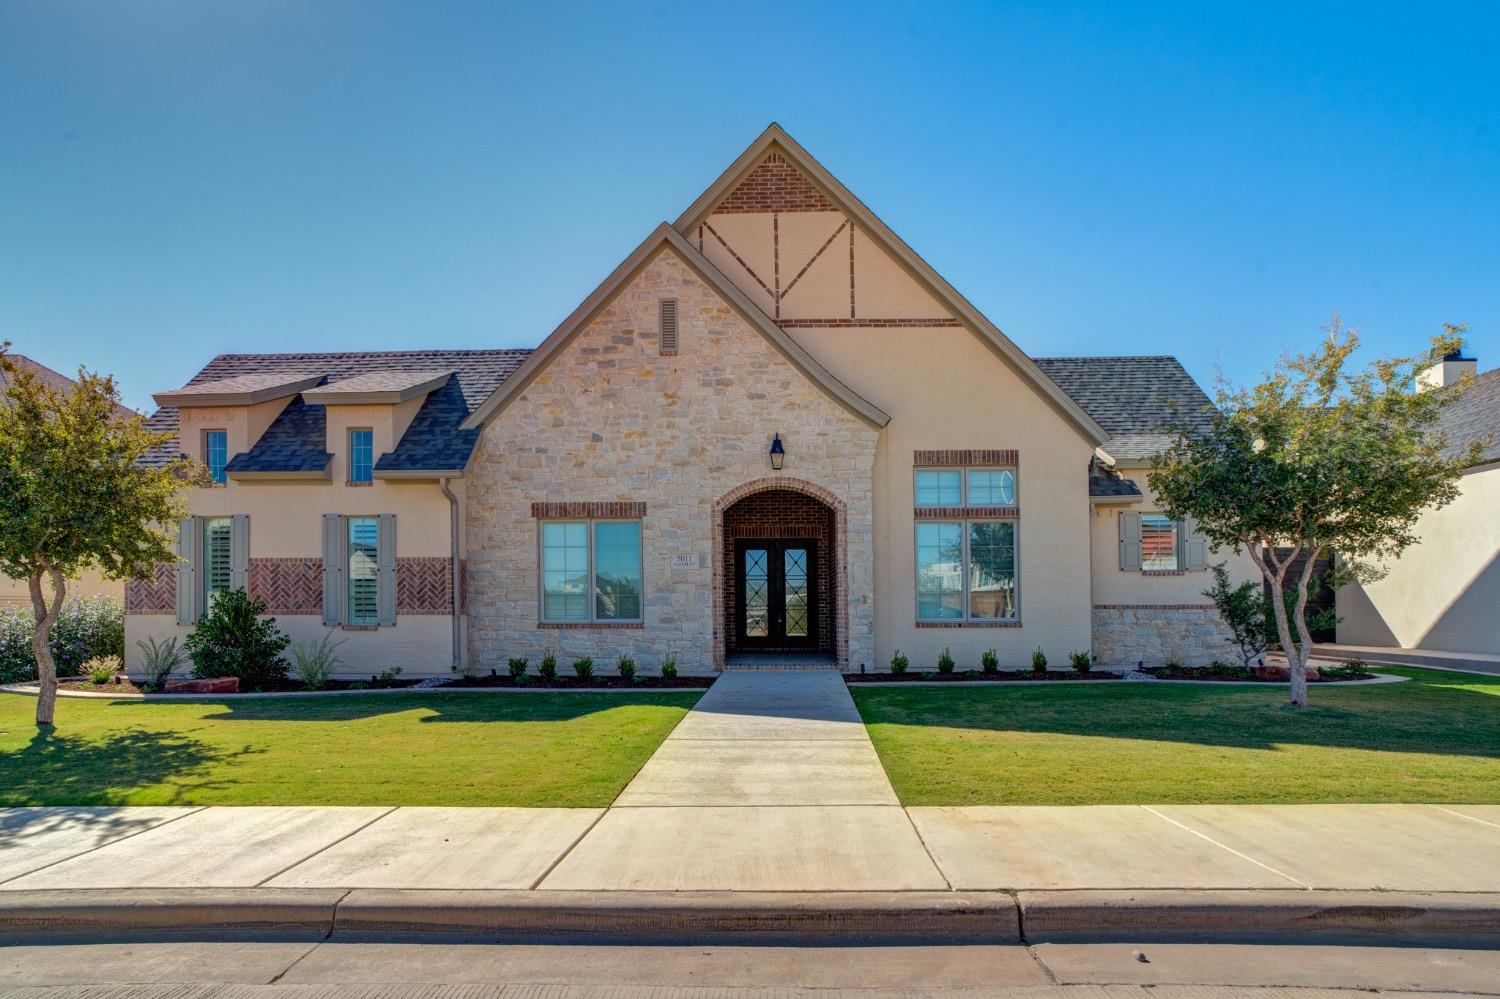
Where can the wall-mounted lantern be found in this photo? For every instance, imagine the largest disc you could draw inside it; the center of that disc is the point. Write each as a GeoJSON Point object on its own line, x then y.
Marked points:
{"type": "Point", "coordinates": [778, 454]}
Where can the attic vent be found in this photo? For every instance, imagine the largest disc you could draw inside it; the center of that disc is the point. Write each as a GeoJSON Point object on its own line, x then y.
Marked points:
{"type": "Point", "coordinates": [668, 326]}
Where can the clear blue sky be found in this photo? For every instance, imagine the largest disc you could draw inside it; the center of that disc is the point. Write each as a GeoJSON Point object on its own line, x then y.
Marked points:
{"type": "Point", "coordinates": [179, 179]}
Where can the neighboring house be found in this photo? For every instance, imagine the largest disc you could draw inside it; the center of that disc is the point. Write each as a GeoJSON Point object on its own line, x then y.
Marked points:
{"type": "Point", "coordinates": [773, 435]}
{"type": "Point", "coordinates": [1443, 594]}
{"type": "Point", "coordinates": [16, 592]}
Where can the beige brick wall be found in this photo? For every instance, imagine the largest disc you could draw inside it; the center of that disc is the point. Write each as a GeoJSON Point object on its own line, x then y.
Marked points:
{"type": "Point", "coordinates": [611, 420]}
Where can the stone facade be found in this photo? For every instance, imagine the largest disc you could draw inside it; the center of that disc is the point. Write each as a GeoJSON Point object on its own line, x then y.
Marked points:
{"type": "Point", "coordinates": [611, 420]}
{"type": "Point", "coordinates": [1193, 634]}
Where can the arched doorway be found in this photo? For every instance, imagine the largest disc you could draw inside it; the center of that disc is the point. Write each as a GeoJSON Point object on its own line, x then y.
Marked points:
{"type": "Point", "coordinates": [779, 584]}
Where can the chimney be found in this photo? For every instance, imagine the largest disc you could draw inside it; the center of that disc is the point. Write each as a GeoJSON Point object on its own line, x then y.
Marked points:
{"type": "Point", "coordinates": [1446, 371]}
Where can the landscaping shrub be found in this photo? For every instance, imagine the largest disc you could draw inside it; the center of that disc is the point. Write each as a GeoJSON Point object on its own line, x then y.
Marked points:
{"type": "Point", "coordinates": [669, 668]}
{"type": "Point", "coordinates": [584, 668]}
{"type": "Point", "coordinates": [1081, 661]}
{"type": "Point", "coordinates": [101, 669]}
{"type": "Point", "coordinates": [626, 666]}
{"type": "Point", "coordinates": [86, 628]}
{"type": "Point", "coordinates": [233, 639]}
{"type": "Point", "coordinates": [387, 678]}
{"type": "Point", "coordinates": [1039, 661]}
{"type": "Point", "coordinates": [990, 661]}
{"type": "Point", "coordinates": [945, 661]}
{"type": "Point", "coordinates": [517, 668]}
{"type": "Point", "coordinates": [159, 661]}
{"type": "Point", "coordinates": [317, 661]}
{"type": "Point", "coordinates": [899, 663]}
{"type": "Point", "coordinates": [548, 668]}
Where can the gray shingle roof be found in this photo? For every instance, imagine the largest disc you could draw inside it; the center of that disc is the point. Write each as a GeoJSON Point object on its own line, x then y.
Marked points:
{"type": "Point", "coordinates": [295, 440]}
{"type": "Point", "coordinates": [1475, 418]}
{"type": "Point", "coordinates": [1135, 399]}
{"type": "Point", "coordinates": [1108, 482]}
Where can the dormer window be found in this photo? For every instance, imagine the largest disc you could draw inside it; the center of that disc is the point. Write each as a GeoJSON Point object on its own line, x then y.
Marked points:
{"type": "Point", "coordinates": [361, 455]}
{"type": "Point", "coordinates": [216, 454]}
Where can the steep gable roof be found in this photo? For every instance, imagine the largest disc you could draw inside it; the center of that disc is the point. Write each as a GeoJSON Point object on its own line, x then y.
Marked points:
{"type": "Point", "coordinates": [775, 140]}
{"type": "Point", "coordinates": [664, 238]}
{"type": "Point", "coordinates": [1135, 398]}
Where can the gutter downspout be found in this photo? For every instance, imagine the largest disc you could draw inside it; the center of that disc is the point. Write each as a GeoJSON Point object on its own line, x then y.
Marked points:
{"type": "Point", "coordinates": [457, 571]}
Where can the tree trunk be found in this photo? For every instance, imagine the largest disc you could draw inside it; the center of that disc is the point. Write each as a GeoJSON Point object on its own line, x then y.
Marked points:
{"type": "Point", "coordinates": [1296, 658]}
{"type": "Point", "coordinates": [41, 647]}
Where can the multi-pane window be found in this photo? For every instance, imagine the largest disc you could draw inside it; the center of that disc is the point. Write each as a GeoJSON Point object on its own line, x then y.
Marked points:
{"type": "Point", "coordinates": [216, 453]}
{"type": "Point", "coordinates": [363, 580]}
{"type": "Point", "coordinates": [591, 570]}
{"type": "Point", "coordinates": [361, 455]}
{"type": "Point", "coordinates": [965, 487]}
{"type": "Point", "coordinates": [216, 558]}
{"type": "Point", "coordinates": [966, 570]}
{"type": "Point", "coordinates": [1158, 542]}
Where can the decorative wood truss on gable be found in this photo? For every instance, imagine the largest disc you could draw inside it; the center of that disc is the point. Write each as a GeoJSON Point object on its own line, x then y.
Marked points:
{"type": "Point", "coordinates": [774, 188]}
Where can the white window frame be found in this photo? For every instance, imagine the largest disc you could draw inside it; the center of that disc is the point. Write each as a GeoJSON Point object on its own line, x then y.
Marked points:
{"type": "Point", "coordinates": [222, 478]}
{"type": "Point", "coordinates": [593, 583]}
{"type": "Point", "coordinates": [963, 485]}
{"type": "Point", "coordinates": [964, 524]}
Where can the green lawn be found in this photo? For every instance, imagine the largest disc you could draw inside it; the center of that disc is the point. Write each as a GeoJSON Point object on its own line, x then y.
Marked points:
{"type": "Point", "coordinates": [1434, 739]}
{"type": "Point", "coordinates": [573, 749]}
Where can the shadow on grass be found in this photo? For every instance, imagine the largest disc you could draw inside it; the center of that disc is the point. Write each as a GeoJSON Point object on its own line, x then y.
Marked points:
{"type": "Point", "coordinates": [55, 767]}
{"type": "Point", "coordinates": [477, 707]}
{"type": "Point", "coordinates": [1443, 714]}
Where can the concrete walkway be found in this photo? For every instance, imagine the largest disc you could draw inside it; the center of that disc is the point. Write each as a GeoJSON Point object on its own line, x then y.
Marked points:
{"type": "Point", "coordinates": [1464, 662]}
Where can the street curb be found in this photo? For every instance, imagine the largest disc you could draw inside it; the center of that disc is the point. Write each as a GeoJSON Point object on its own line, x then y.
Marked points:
{"type": "Point", "coordinates": [1262, 916]}
{"type": "Point", "coordinates": [261, 910]}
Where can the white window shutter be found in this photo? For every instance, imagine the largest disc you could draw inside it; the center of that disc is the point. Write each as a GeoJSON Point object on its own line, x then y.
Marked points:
{"type": "Point", "coordinates": [239, 552]}
{"type": "Point", "coordinates": [1130, 541]}
{"type": "Point", "coordinates": [385, 569]}
{"type": "Point", "coordinates": [1194, 554]}
{"type": "Point", "coordinates": [333, 569]}
{"type": "Point", "coordinates": [187, 571]}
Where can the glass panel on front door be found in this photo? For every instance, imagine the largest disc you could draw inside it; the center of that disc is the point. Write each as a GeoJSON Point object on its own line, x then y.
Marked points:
{"type": "Point", "coordinates": [777, 594]}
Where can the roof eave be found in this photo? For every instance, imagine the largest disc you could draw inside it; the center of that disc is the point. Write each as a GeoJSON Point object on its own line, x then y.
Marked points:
{"type": "Point", "coordinates": [296, 475]}
{"type": "Point", "coordinates": [410, 474]}
{"type": "Point", "coordinates": [199, 400]}
{"type": "Point", "coordinates": [328, 395]}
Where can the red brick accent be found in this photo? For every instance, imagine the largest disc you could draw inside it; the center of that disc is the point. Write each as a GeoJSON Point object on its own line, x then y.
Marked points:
{"type": "Point", "coordinates": [588, 625]}
{"type": "Point", "coordinates": [968, 624]}
{"type": "Point", "coordinates": [970, 512]}
{"type": "Point", "coordinates": [424, 585]}
{"type": "Point", "coordinates": [775, 186]}
{"type": "Point", "coordinates": [780, 514]}
{"type": "Point", "coordinates": [927, 459]}
{"type": "Point", "coordinates": [834, 557]}
{"type": "Point", "coordinates": [288, 585]}
{"type": "Point", "coordinates": [940, 322]}
{"type": "Point", "coordinates": [1154, 607]}
{"type": "Point", "coordinates": [603, 510]}
{"type": "Point", "coordinates": [739, 260]}
{"type": "Point", "coordinates": [1163, 572]}
{"type": "Point", "coordinates": [157, 595]}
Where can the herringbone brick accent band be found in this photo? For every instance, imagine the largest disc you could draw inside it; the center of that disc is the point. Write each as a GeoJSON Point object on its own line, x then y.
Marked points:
{"type": "Point", "coordinates": [971, 512]}
{"type": "Point", "coordinates": [288, 585]}
{"type": "Point", "coordinates": [557, 511]}
{"type": "Point", "coordinates": [157, 595]}
{"type": "Point", "coordinates": [979, 457]}
{"type": "Point", "coordinates": [424, 585]}
{"type": "Point", "coordinates": [775, 186]}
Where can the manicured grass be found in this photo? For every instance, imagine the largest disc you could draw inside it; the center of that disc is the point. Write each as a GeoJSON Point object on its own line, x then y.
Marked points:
{"type": "Point", "coordinates": [1434, 739]}
{"type": "Point", "coordinates": [570, 749]}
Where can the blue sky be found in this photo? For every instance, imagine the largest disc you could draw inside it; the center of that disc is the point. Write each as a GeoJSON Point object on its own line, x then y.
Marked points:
{"type": "Point", "coordinates": [179, 179]}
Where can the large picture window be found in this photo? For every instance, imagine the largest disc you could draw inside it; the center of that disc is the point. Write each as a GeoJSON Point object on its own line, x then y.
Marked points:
{"type": "Point", "coordinates": [966, 570]}
{"type": "Point", "coordinates": [591, 571]}
{"type": "Point", "coordinates": [965, 487]}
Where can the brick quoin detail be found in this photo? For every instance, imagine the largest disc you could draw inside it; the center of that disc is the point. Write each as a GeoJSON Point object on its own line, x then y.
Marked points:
{"type": "Point", "coordinates": [775, 186]}
{"type": "Point", "coordinates": [927, 459]}
{"type": "Point", "coordinates": [621, 510]}
{"type": "Point", "coordinates": [832, 555]}
{"type": "Point", "coordinates": [782, 515]}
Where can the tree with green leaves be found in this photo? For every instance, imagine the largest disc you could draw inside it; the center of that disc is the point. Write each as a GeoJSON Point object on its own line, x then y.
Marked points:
{"type": "Point", "coordinates": [1317, 457]}
{"type": "Point", "coordinates": [75, 494]}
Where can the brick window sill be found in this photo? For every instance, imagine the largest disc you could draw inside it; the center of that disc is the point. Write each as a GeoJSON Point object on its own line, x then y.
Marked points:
{"type": "Point", "coordinates": [359, 627]}
{"type": "Point", "coordinates": [1163, 572]}
{"type": "Point", "coordinates": [968, 624]}
{"type": "Point", "coordinates": [591, 625]}
{"type": "Point", "coordinates": [966, 512]}
{"type": "Point", "coordinates": [359, 485]}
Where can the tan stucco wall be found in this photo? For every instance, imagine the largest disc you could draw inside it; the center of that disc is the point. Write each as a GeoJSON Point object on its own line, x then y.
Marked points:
{"type": "Point", "coordinates": [15, 593]}
{"type": "Point", "coordinates": [243, 425]}
{"type": "Point", "coordinates": [1443, 593]}
{"type": "Point", "coordinates": [611, 420]}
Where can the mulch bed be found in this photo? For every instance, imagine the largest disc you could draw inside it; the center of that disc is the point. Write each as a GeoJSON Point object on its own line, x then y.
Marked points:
{"type": "Point", "coordinates": [85, 685]}
{"type": "Point", "coordinates": [1005, 676]}
{"type": "Point", "coordinates": [577, 683]}
{"type": "Point", "coordinates": [1235, 674]}
{"type": "Point", "coordinates": [125, 686]}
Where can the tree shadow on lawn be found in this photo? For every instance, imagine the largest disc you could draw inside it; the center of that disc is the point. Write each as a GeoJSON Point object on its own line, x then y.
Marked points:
{"type": "Point", "coordinates": [1436, 716]}
{"type": "Point", "coordinates": [55, 767]}
{"type": "Point", "coordinates": [475, 707]}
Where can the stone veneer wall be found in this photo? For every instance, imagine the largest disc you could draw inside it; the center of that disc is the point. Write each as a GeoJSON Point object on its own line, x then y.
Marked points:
{"type": "Point", "coordinates": [1194, 634]}
{"type": "Point", "coordinates": [612, 420]}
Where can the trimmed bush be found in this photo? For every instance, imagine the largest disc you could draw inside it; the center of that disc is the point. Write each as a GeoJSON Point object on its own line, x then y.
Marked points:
{"type": "Point", "coordinates": [517, 668]}
{"type": "Point", "coordinates": [1081, 661]}
{"type": "Point", "coordinates": [584, 668]}
{"type": "Point", "coordinates": [626, 666]}
{"type": "Point", "coordinates": [1039, 660]}
{"type": "Point", "coordinates": [990, 661]}
{"type": "Point", "coordinates": [234, 638]}
{"type": "Point", "coordinates": [669, 668]}
{"type": "Point", "coordinates": [899, 663]}
{"type": "Point", "coordinates": [548, 668]}
{"type": "Point", "coordinates": [317, 661]}
{"type": "Point", "coordinates": [159, 661]}
{"type": "Point", "coordinates": [945, 661]}
{"type": "Point", "coordinates": [86, 628]}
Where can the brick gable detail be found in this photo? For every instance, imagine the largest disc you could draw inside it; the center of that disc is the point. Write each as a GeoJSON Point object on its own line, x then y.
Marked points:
{"type": "Point", "coordinates": [775, 186]}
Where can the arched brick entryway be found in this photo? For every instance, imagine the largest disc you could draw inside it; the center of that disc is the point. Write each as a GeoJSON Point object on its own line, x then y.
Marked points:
{"type": "Point", "coordinates": [781, 506]}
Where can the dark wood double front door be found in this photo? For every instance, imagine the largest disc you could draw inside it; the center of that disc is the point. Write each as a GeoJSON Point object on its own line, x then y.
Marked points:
{"type": "Point", "coordinates": [776, 594]}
